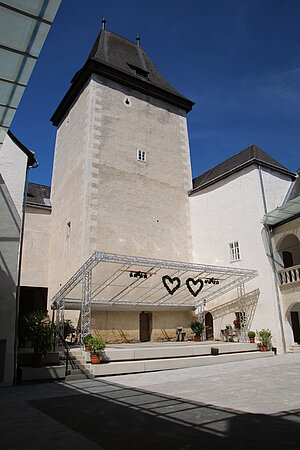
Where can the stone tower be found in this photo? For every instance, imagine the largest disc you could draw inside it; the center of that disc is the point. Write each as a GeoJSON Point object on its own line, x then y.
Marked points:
{"type": "Point", "coordinates": [122, 164]}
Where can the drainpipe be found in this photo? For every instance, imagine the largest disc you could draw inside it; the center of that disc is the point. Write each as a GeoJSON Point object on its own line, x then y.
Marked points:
{"type": "Point", "coordinates": [267, 228]}
{"type": "Point", "coordinates": [33, 166]}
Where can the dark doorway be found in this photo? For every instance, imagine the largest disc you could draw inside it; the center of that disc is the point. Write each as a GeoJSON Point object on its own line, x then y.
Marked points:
{"type": "Point", "coordinates": [145, 326]}
{"type": "Point", "coordinates": [287, 259]}
{"type": "Point", "coordinates": [295, 326]}
{"type": "Point", "coordinates": [209, 328]}
{"type": "Point", "coordinates": [32, 299]}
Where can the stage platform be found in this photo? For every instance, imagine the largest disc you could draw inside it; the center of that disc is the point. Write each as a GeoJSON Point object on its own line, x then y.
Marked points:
{"type": "Point", "coordinates": [152, 356]}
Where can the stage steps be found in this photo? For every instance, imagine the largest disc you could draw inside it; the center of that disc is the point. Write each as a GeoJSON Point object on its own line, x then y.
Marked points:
{"type": "Point", "coordinates": [138, 358]}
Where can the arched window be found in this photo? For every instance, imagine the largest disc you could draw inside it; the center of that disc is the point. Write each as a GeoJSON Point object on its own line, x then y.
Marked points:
{"type": "Point", "coordinates": [289, 251]}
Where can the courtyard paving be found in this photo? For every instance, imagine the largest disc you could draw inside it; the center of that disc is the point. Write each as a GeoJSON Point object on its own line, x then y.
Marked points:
{"type": "Point", "coordinates": [246, 405]}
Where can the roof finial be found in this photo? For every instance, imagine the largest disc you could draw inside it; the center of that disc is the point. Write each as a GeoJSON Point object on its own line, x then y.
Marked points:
{"type": "Point", "coordinates": [103, 23]}
{"type": "Point", "coordinates": [138, 40]}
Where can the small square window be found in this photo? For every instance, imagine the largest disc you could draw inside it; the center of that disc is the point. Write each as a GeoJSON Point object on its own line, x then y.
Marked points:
{"type": "Point", "coordinates": [141, 155]}
{"type": "Point", "coordinates": [235, 253]}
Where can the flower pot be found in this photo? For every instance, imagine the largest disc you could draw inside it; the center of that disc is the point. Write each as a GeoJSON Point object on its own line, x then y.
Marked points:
{"type": "Point", "coordinates": [214, 351]}
{"type": "Point", "coordinates": [263, 348]}
{"type": "Point", "coordinates": [95, 359]}
{"type": "Point", "coordinates": [197, 338]}
{"type": "Point", "coordinates": [37, 360]}
{"type": "Point", "coordinates": [252, 340]}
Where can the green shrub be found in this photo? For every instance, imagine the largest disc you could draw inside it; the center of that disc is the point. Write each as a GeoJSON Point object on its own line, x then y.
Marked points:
{"type": "Point", "coordinates": [96, 345]}
{"type": "Point", "coordinates": [68, 328]}
{"type": "Point", "coordinates": [87, 339]}
{"type": "Point", "coordinates": [197, 327]}
{"type": "Point", "coordinates": [264, 336]}
{"type": "Point", "coordinates": [251, 334]}
{"type": "Point", "coordinates": [39, 331]}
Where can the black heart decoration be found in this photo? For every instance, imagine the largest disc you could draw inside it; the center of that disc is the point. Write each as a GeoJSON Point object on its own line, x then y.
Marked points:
{"type": "Point", "coordinates": [166, 279]}
{"type": "Point", "coordinates": [191, 283]}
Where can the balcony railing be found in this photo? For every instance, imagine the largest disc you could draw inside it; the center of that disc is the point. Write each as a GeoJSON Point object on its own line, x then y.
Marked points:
{"type": "Point", "coordinates": [289, 275]}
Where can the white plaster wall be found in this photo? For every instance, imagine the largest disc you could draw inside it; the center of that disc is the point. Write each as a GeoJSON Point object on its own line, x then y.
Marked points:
{"type": "Point", "coordinates": [36, 247]}
{"type": "Point", "coordinates": [115, 203]}
{"type": "Point", "coordinates": [13, 163]}
{"type": "Point", "coordinates": [232, 210]}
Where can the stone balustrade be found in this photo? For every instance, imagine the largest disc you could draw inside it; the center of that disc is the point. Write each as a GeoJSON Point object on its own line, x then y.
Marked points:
{"type": "Point", "coordinates": [289, 275]}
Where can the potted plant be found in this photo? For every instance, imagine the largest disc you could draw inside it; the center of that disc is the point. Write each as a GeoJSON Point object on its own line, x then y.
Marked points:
{"type": "Point", "coordinates": [41, 333]}
{"type": "Point", "coordinates": [251, 336]}
{"type": "Point", "coordinates": [69, 329]}
{"type": "Point", "coordinates": [264, 336]}
{"type": "Point", "coordinates": [197, 328]}
{"type": "Point", "coordinates": [96, 347]}
{"type": "Point", "coordinates": [86, 341]}
{"type": "Point", "coordinates": [214, 350]}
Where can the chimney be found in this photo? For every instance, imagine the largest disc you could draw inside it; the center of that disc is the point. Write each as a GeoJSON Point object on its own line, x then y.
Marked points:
{"type": "Point", "coordinates": [138, 41]}
{"type": "Point", "coordinates": [103, 23]}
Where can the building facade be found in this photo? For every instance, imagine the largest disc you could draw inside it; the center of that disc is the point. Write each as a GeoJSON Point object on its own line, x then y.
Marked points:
{"type": "Point", "coordinates": [122, 184]}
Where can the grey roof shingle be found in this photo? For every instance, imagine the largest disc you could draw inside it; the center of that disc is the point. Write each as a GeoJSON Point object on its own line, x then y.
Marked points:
{"type": "Point", "coordinates": [38, 195]}
{"type": "Point", "coordinates": [123, 61]}
{"type": "Point", "coordinates": [248, 156]}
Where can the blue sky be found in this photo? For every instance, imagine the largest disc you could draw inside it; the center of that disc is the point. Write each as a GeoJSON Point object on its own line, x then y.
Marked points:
{"type": "Point", "coordinates": [238, 60]}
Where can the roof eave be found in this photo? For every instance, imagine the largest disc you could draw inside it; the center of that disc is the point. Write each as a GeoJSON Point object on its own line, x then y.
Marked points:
{"type": "Point", "coordinates": [253, 161]}
{"type": "Point", "coordinates": [95, 67]}
{"type": "Point", "coordinates": [31, 159]}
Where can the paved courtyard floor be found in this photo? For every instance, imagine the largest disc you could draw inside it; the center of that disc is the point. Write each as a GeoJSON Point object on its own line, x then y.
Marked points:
{"type": "Point", "coordinates": [253, 404]}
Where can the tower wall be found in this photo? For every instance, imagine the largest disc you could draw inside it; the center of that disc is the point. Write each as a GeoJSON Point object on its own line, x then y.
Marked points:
{"type": "Point", "coordinates": [113, 202]}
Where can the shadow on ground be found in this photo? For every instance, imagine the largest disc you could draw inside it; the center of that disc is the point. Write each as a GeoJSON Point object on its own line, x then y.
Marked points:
{"type": "Point", "coordinates": [117, 418]}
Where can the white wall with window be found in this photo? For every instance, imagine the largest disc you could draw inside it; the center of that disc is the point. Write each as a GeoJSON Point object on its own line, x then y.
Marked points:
{"type": "Point", "coordinates": [228, 213]}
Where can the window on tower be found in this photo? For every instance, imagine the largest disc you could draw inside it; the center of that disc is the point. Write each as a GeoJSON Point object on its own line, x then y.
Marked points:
{"type": "Point", "coordinates": [141, 155]}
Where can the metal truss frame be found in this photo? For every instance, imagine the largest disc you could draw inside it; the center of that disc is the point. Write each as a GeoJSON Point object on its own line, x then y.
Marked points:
{"type": "Point", "coordinates": [84, 276]}
{"type": "Point", "coordinates": [86, 306]}
{"type": "Point", "coordinates": [245, 303]}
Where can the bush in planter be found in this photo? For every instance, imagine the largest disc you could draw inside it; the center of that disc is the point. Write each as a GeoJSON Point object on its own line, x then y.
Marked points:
{"type": "Point", "coordinates": [86, 341]}
{"type": "Point", "coordinates": [96, 346]}
{"type": "Point", "coordinates": [214, 350]}
{"type": "Point", "coordinates": [264, 336]}
{"type": "Point", "coordinates": [251, 336]}
{"type": "Point", "coordinates": [41, 333]}
{"type": "Point", "coordinates": [197, 328]}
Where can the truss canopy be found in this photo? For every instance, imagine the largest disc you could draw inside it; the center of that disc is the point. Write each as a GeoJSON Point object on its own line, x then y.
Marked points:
{"type": "Point", "coordinates": [132, 282]}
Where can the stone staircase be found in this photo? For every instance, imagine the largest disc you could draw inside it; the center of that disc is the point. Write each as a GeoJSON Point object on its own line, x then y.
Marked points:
{"type": "Point", "coordinates": [135, 358]}
{"type": "Point", "coordinates": [294, 348]}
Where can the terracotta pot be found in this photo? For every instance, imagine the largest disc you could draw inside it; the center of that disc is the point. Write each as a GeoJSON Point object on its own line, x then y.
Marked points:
{"type": "Point", "coordinates": [37, 360]}
{"type": "Point", "coordinates": [95, 359]}
{"type": "Point", "coordinates": [263, 348]}
{"type": "Point", "coordinates": [252, 340]}
{"type": "Point", "coordinates": [214, 351]}
{"type": "Point", "coordinates": [197, 338]}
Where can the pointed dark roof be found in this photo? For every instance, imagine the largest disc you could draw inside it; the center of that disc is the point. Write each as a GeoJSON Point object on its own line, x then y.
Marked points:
{"type": "Point", "coordinates": [124, 62]}
{"type": "Point", "coordinates": [247, 157]}
{"type": "Point", "coordinates": [38, 195]}
{"type": "Point", "coordinates": [295, 192]}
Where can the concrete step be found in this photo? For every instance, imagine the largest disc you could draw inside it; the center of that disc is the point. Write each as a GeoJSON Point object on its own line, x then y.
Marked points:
{"type": "Point", "coordinates": [79, 376]}
{"type": "Point", "coordinates": [135, 366]}
{"type": "Point", "coordinates": [43, 373]}
{"type": "Point", "coordinates": [180, 350]}
{"type": "Point", "coordinates": [295, 348]}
